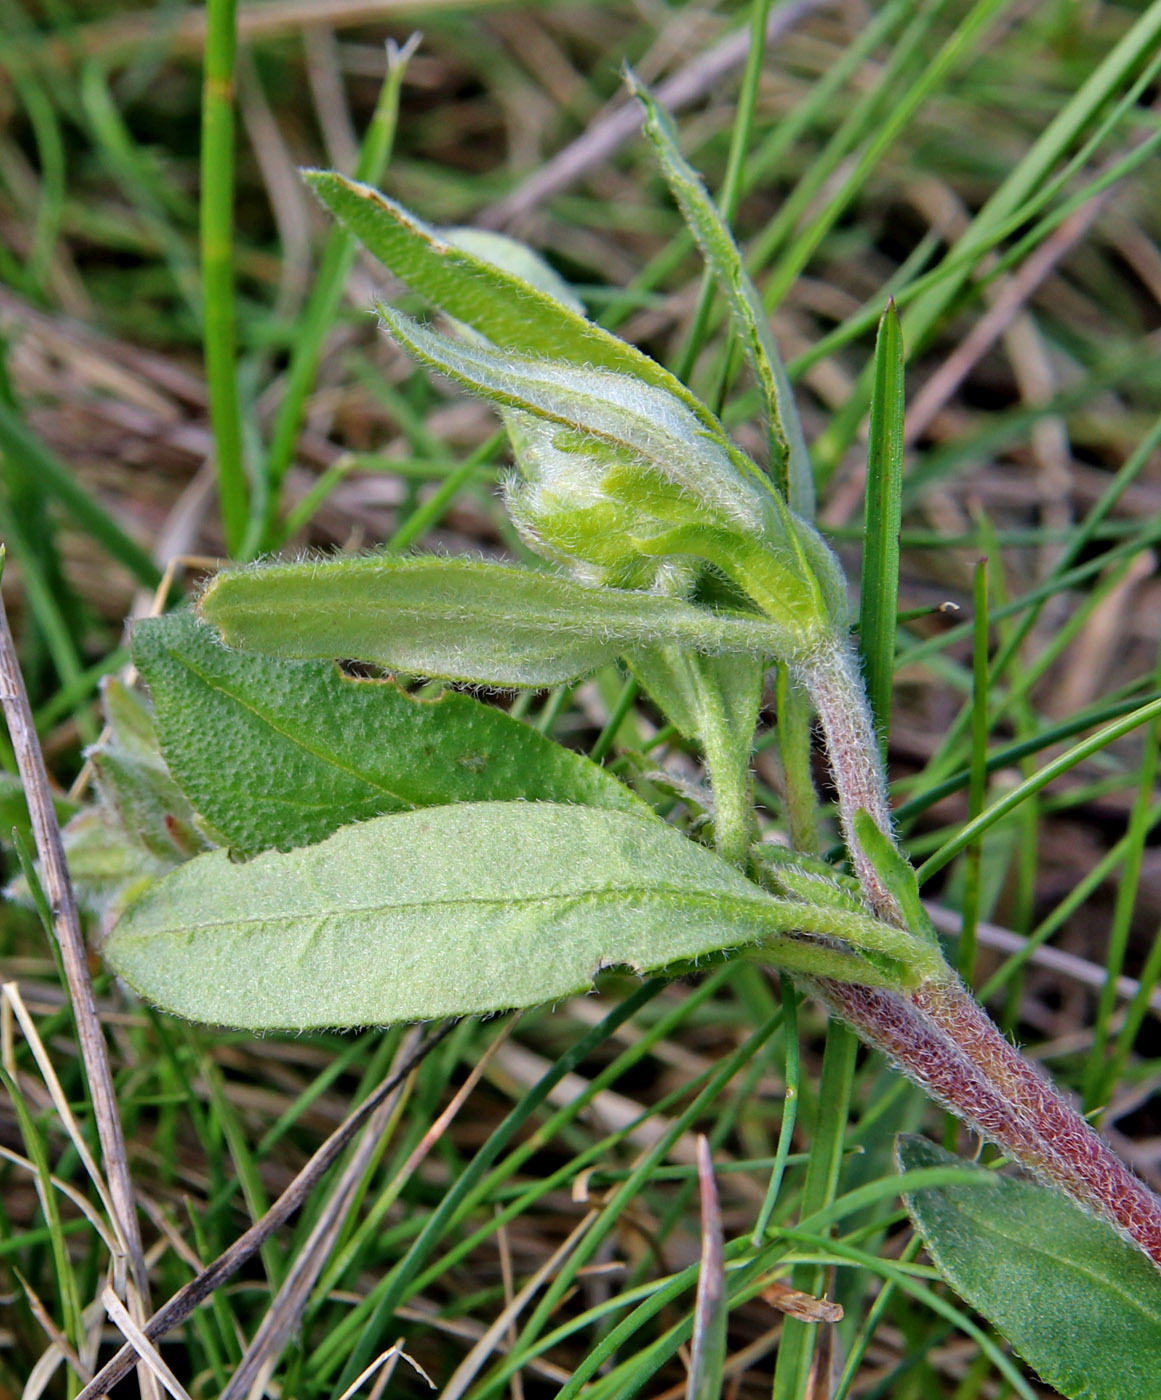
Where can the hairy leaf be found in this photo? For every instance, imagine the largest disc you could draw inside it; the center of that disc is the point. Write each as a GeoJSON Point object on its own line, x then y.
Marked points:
{"type": "Point", "coordinates": [479, 291]}
{"type": "Point", "coordinates": [134, 782]}
{"type": "Point", "coordinates": [451, 911]}
{"type": "Point", "coordinates": [466, 620]}
{"type": "Point", "coordinates": [1078, 1302]}
{"type": "Point", "coordinates": [638, 419]}
{"type": "Point", "coordinates": [790, 460]}
{"type": "Point", "coordinates": [283, 753]}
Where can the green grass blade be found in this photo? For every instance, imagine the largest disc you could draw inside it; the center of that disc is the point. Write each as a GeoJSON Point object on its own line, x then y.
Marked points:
{"type": "Point", "coordinates": [1011, 800]}
{"type": "Point", "coordinates": [882, 517]}
{"type": "Point", "coordinates": [327, 291]}
{"type": "Point", "coordinates": [19, 442]}
{"type": "Point", "coordinates": [796, 1351]}
{"type": "Point", "coordinates": [981, 689]}
{"type": "Point", "coordinates": [1101, 1072]}
{"type": "Point", "coordinates": [217, 242]}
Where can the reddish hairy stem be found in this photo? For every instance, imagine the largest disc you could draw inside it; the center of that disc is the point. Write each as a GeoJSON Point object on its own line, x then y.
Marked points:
{"type": "Point", "coordinates": [940, 1037]}
{"type": "Point", "coordinates": [831, 679]}
{"type": "Point", "coordinates": [938, 1034]}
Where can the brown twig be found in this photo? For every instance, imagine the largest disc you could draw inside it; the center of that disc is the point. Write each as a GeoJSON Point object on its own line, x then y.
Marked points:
{"type": "Point", "coordinates": [67, 927]}
{"type": "Point", "coordinates": [186, 1299]}
{"type": "Point", "coordinates": [285, 1311]}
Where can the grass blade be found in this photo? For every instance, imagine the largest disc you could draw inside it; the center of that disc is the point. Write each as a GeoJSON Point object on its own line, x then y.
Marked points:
{"type": "Point", "coordinates": [217, 239]}
{"type": "Point", "coordinates": [882, 516]}
{"type": "Point", "coordinates": [327, 291]}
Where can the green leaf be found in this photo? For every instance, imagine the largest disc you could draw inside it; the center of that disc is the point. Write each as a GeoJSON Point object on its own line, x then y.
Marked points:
{"type": "Point", "coordinates": [1079, 1303]}
{"type": "Point", "coordinates": [465, 620]}
{"type": "Point", "coordinates": [517, 259]}
{"type": "Point", "coordinates": [642, 422]}
{"type": "Point", "coordinates": [283, 753]}
{"type": "Point", "coordinates": [451, 911]}
{"type": "Point", "coordinates": [506, 308]}
{"type": "Point", "coordinates": [714, 700]}
{"type": "Point", "coordinates": [700, 694]}
{"type": "Point", "coordinates": [134, 783]}
{"type": "Point", "coordinates": [897, 874]}
{"type": "Point", "coordinates": [790, 460]}
{"type": "Point", "coordinates": [879, 600]}
{"type": "Point", "coordinates": [107, 868]}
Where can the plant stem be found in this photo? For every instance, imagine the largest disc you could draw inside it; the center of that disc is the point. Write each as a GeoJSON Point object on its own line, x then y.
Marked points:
{"type": "Point", "coordinates": [941, 1038]}
{"type": "Point", "coordinates": [733, 799]}
{"type": "Point", "coordinates": [938, 1034]}
{"type": "Point", "coordinates": [831, 680]}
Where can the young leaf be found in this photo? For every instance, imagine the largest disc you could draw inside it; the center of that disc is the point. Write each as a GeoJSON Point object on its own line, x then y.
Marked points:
{"type": "Point", "coordinates": [502, 306]}
{"type": "Point", "coordinates": [143, 825]}
{"type": "Point", "coordinates": [517, 259]}
{"type": "Point", "coordinates": [790, 460]}
{"type": "Point", "coordinates": [1078, 1302]}
{"type": "Point", "coordinates": [644, 423]}
{"type": "Point", "coordinates": [714, 700]}
{"type": "Point", "coordinates": [897, 874]}
{"type": "Point", "coordinates": [14, 809]}
{"type": "Point", "coordinates": [283, 753]}
{"type": "Point", "coordinates": [455, 910]}
{"type": "Point", "coordinates": [465, 620]}
{"type": "Point", "coordinates": [134, 783]}
{"type": "Point", "coordinates": [106, 866]}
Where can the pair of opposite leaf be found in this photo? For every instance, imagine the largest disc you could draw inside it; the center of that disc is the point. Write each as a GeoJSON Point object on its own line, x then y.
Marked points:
{"type": "Point", "coordinates": [629, 481]}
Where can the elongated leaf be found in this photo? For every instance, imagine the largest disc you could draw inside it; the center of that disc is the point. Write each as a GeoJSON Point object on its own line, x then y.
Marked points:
{"type": "Point", "coordinates": [283, 753]}
{"type": "Point", "coordinates": [517, 259]}
{"type": "Point", "coordinates": [451, 911]}
{"type": "Point", "coordinates": [1079, 1303]}
{"type": "Point", "coordinates": [700, 694]}
{"type": "Point", "coordinates": [465, 620]}
{"type": "Point", "coordinates": [715, 700]}
{"type": "Point", "coordinates": [636, 418]}
{"type": "Point", "coordinates": [504, 307]}
{"type": "Point", "coordinates": [790, 460]}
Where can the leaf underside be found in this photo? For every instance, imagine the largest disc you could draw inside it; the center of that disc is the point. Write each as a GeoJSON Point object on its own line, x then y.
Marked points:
{"type": "Point", "coordinates": [452, 911]}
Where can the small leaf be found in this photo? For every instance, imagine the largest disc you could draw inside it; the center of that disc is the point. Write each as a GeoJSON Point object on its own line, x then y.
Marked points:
{"type": "Point", "coordinates": [714, 700]}
{"type": "Point", "coordinates": [283, 753]}
{"type": "Point", "coordinates": [134, 782]}
{"type": "Point", "coordinates": [455, 910]}
{"type": "Point", "coordinates": [505, 308]}
{"type": "Point", "coordinates": [643, 423]}
{"type": "Point", "coordinates": [106, 868]}
{"type": "Point", "coordinates": [698, 693]}
{"type": "Point", "coordinates": [1079, 1303]}
{"type": "Point", "coordinates": [897, 874]}
{"type": "Point", "coordinates": [518, 259]}
{"type": "Point", "coordinates": [790, 459]}
{"type": "Point", "coordinates": [465, 620]}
